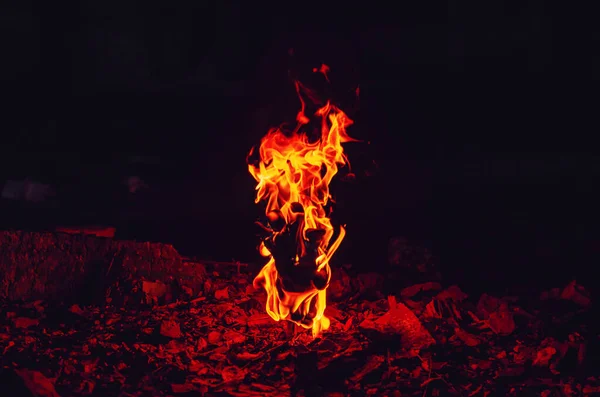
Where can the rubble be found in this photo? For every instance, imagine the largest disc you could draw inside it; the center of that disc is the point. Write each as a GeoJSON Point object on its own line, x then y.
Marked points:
{"type": "Point", "coordinates": [58, 265]}
{"type": "Point", "coordinates": [219, 341]}
{"type": "Point", "coordinates": [399, 320]}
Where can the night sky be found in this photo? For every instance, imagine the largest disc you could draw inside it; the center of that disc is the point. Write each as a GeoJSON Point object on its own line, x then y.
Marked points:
{"type": "Point", "coordinates": [480, 118]}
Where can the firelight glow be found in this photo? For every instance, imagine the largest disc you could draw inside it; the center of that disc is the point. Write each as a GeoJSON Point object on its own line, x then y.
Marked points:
{"type": "Point", "coordinates": [293, 177]}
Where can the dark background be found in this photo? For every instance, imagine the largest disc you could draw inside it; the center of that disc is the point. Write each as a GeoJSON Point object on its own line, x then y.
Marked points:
{"type": "Point", "coordinates": [481, 121]}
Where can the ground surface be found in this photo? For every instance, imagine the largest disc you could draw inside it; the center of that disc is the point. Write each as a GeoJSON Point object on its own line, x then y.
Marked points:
{"type": "Point", "coordinates": [422, 340]}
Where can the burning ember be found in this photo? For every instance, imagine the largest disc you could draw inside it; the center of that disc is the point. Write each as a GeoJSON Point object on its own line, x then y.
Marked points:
{"type": "Point", "coordinates": [293, 175]}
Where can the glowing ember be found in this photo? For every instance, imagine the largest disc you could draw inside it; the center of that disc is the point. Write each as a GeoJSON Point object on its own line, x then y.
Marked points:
{"type": "Point", "coordinates": [293, 177]}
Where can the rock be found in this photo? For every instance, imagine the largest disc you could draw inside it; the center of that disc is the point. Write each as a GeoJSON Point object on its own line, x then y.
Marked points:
{"type": "Point", "coordinates": [432, 311]}
{"type": "Point", "coordinates": [76, 309]}
{"type": "Point", "coordinates": [466, 337]}
{"type": "Point", "coordinates": [201, 344]}
{"type": "Point", "coordinates": [13, 384]}
{"type": "Point", "coordinates": [222, 293]}
{"type": "Point", "coordinates": [401, 320]}
{"type": "Point", "coordinates": [154, 291]}
{"type": "Point", "coordinates": [502, 321]}
{"type": "Point", "coordinates": [577, 294]}
{"type": "Point", "coordinates": [259, 320]}
{"type": "Point", "coordinates": [340, 285]}
{"type": "Point", "coordinates": [487, 305]}
{"type": "Point", "coordinates": [231, 373]}
{"type": "Point", "coordinates": [37, 383]}
{"type": "Point", "coordinates": [573, 292]}
{"type": "Point", "coordinates": [234, 337]}
{"type": "Point", "coordinates": [170, 329]}
{"type": "Point", "coordinates": [453, 293]}
{"type": "Point", "coordinates": [57, 266]}
{"type": "Point", "coordinates": [214, 337]}
{"type": "Point", "coordinates": [24, 322]}
{"type": "Point", "coordinates": [544, 356]}
{"type": "Point", "coordinates": [413, 290]}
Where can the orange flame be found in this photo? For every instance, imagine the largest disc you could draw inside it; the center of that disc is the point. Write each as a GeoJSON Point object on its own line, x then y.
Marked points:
{"type": "Point", "coordinates": [293, 177]}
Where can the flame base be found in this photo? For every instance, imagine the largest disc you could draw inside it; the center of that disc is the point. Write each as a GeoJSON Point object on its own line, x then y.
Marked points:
{"type": "Point", "coordinates": [305, 309]}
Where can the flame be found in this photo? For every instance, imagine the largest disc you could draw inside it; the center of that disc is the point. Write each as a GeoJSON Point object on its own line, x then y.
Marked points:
{"type": "Point", "coordinates": [324, 70]}
{"type": "Point", "coordinates": [293, 177]}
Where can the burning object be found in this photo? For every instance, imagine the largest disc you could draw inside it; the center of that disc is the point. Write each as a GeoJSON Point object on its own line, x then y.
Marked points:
{"type": "Point", "coordinates": [293, 173]}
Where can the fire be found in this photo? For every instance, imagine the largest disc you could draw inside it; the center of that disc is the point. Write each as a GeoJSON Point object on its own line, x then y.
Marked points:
{"type": "Point", "coordinates": [293, 176]}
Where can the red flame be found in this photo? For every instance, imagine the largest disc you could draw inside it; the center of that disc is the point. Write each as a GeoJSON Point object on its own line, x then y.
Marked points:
{"type": "Point", "coordinates": [293, 177]}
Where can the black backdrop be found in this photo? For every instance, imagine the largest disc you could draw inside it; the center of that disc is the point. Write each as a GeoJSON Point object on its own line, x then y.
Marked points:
{"type": "Point", "coordinates": [479, 119]}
